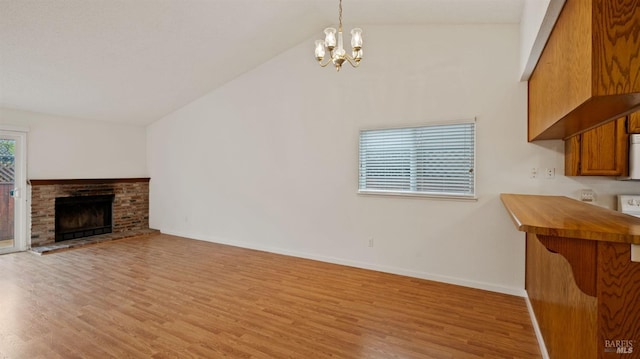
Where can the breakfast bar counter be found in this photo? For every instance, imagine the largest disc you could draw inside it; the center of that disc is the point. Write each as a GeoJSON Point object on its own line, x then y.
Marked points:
{"type": "Point", "coordinates": [582, 285]}
{"type": "Point", "coordinates": [565, 217]}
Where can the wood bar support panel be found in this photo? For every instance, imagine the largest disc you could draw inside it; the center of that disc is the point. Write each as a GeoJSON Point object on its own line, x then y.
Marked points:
{"type": "Point", "coordinates": [565, 314]}
{"type": "Point", "coordinates": [576, 324]}
{"type": "Point", "coordinates": [581, 256]}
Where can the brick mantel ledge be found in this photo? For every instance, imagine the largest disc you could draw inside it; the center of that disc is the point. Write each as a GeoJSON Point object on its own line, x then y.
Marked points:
{"type": "Point", "coordinates": [44, 182]}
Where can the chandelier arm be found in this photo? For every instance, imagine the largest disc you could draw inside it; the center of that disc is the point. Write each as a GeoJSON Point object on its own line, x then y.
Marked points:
{"type": "Point", "coordinates": [326, 63]}
{"type": "Point", "coordinates": [352, 62]}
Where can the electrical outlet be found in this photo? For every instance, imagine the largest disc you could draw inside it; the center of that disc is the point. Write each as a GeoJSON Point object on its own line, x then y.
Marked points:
{"type": "Point", "coordinates": [549, 173]}
{"type": "Point", "coordinates": [370, 242]}
{"type": "Point", "coordinates": [587, 195]}
{"type": "Point", "coordinates": [533, 174]}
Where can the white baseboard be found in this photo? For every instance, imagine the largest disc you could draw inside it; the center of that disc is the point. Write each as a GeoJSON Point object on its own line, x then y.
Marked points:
{"type": "Point", "coordinates": [387, 269]}
{"type": "Point", "coordinates": [536, 328]}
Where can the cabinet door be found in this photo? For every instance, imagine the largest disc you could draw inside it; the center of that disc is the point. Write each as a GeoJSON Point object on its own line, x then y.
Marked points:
{"type": "Point", "coordinates": [604, 150]}
{"type": "Point", "coordinates": [634, 122]}
{"type": "Point", "coordinates": [572, 156]}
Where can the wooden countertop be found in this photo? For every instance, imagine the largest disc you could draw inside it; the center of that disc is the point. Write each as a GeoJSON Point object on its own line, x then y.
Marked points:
{"type": "Point", "coordinates": [565, 217]}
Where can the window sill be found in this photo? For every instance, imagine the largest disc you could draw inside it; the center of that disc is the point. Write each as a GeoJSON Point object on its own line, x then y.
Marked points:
{"type": "Point", "coordinates": [471, 198]}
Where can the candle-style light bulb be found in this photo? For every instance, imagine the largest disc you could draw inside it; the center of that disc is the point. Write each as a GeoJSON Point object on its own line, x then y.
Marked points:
{"type": "Point", "coordinates": [356, 39]}
{"type": "Point", "coordinates": [320, 50]}
{"type": "Point", "coordinates": [330, 38]}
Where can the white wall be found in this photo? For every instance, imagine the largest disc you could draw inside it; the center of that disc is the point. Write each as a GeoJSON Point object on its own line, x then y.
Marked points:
{"type": "Point", "coordinates": [269, 160]}
{"type": "Point", "coordinates": [64, 148]}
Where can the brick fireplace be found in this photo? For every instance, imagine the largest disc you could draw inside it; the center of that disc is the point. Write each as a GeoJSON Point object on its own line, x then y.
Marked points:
{"type": "Point", "coordinates": [130, 204]}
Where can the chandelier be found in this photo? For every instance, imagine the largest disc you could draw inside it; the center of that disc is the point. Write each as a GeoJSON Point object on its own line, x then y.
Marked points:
{"type": "Point", "coordinates": [338, 54]}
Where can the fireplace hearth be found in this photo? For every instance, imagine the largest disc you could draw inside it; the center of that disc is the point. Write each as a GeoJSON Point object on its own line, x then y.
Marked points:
{"type": "Point", "coordinates": [83, 216]}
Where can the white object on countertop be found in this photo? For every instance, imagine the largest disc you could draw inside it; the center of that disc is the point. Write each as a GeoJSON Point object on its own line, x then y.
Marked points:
{"type": "Point", "coordinates": [629, 204]}
{"type": "Point", "coordinates": [634, 156]}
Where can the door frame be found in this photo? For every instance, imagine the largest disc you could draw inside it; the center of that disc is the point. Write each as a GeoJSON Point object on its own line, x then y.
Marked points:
{"type": "Point", "coordinates": [20, 242]}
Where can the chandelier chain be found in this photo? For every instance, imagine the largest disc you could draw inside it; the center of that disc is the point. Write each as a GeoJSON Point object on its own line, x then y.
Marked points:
{"type": "Point", "coordinates": [340, 15]}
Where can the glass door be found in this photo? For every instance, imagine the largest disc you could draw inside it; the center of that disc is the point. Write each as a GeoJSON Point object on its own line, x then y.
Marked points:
{"type": "Point", "coordinates": [12, 191]}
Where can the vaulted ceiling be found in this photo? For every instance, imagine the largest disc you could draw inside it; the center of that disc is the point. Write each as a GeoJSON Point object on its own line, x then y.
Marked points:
{"type": "Point", "coordinates": [135, 61]}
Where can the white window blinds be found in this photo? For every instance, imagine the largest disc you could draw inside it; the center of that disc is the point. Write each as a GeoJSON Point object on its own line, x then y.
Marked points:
{"type": "Point", "coordinates": [430, 160]}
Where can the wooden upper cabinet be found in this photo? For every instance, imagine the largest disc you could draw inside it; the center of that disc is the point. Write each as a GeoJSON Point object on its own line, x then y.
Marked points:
{"type": "Point", "coordinates": [589, 71]}
{"type": "Point", "coordinates": [602, 151]}
{"type": "Point", "coordinates": [633, 126]}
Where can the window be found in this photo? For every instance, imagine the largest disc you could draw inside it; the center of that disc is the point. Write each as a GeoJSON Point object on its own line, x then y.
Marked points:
{"type": "Point", "coordinates": [434, 160]}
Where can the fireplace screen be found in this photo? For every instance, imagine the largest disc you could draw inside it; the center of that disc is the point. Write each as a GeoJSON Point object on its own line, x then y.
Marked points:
{"type": "Point", "coordinates": [83, 216]}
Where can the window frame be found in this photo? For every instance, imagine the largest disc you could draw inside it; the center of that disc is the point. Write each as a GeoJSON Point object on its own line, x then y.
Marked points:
{"type": "Point", "coordinates": [433, 195]}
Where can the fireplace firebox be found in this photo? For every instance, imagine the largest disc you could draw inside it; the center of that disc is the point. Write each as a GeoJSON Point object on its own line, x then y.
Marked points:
{"type": "Point", "coordinates": [83, 216]}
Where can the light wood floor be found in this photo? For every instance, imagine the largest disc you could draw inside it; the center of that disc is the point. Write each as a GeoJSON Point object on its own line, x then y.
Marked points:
{"type": "Point", "coordinates": [170, 297]}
